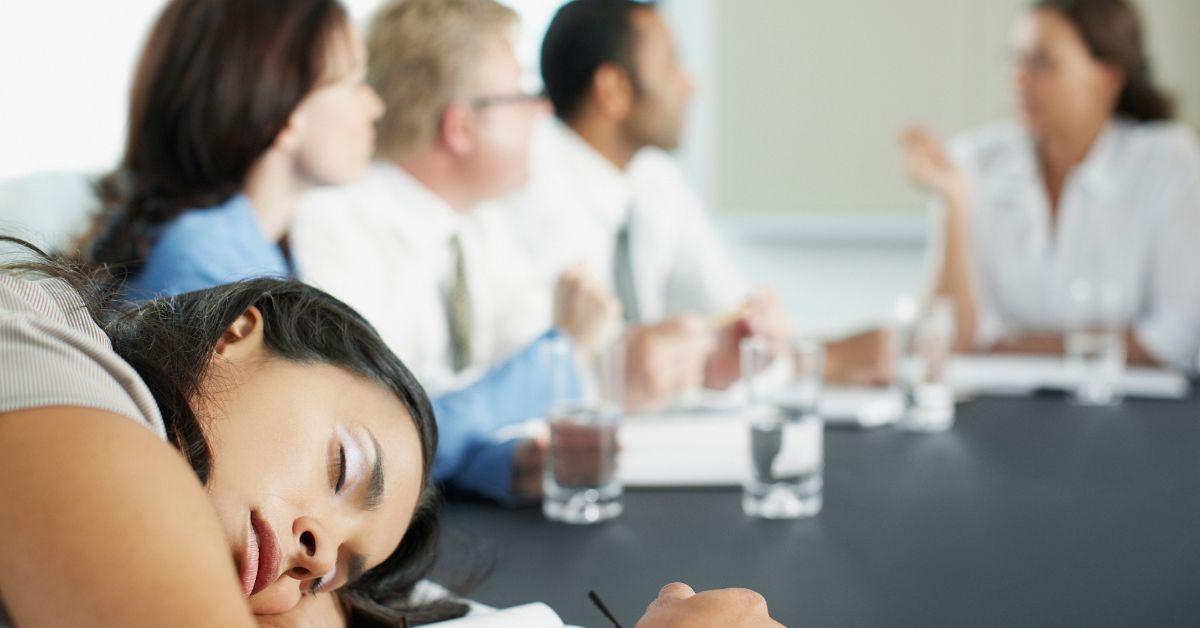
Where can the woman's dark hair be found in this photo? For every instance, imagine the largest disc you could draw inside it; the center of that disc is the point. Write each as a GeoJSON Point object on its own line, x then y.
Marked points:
{"type": "Point", "coordinates": [583, 36]}
{"type": "Point", "coordinates": [170, 342]}
{"type": "Point", "coordinates": [1112, 31]}
{"type": "Point", "coordinates": [216, 83]}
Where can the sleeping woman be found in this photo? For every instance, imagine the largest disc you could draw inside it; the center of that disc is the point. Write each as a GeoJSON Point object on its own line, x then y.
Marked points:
{"type": "Point", "coordinates": [251, 449]}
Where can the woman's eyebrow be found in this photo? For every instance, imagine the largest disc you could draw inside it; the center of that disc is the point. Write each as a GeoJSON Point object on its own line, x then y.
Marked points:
{"type": "Point", "coordinates": [373, 496]}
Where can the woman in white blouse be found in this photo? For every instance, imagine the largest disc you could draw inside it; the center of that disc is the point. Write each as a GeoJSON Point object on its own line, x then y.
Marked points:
{"type": "Point", "coordinates": [1094, 183]}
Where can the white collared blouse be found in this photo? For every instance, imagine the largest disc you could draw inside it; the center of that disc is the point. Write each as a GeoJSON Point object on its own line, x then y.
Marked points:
{"type": "Point", "coordinates": [1129, 216]}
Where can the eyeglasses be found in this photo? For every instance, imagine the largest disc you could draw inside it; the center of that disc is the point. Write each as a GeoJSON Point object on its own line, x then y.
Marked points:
{"type": "Point", "coordinates": [500, 100]}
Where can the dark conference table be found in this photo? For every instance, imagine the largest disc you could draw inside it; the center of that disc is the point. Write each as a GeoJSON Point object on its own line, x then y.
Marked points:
{"type": "Point", "coordinates": [1029, 512]}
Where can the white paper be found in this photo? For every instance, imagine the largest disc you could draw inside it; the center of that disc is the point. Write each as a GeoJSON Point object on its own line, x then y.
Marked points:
{"type": "Point", "coordinates": [840, 405]}
{"type": "Point", "coordinates": [706, 450]}
{"type": "Point", "coordinates": [428, 591]}
{"type": "Point", "coordinates": [862, 407]}
{"type": "Point", "coordinates": [536, 615]}
{"type": "Point", "coordinates": [802, 451]}
{"type": "Point", "coordinates": [1021, 375]}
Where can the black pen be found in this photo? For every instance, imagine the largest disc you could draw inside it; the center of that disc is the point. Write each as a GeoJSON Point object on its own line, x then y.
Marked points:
{"type": "Point", "coordinates": [603, 609]}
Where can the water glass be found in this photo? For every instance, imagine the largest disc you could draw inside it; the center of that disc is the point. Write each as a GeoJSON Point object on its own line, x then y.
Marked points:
{"type": "Point", "coordinates": [1095, 343]}
{"type": "Point", "coordinates": [580, 483]}
{"type": "Point", "coordinates": [787, 439]}
{"type": "Point", "coordinates": [928, 346]}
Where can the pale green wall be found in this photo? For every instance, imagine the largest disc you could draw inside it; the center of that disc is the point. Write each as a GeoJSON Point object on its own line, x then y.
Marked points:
{"type": "Point", "coordinates": [810, 93]}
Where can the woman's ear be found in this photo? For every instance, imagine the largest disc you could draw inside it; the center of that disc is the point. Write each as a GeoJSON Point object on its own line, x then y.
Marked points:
{"type": "Point", "coordinates": [1114, 79]}
{"type": "Point", "coordinates": [243, 338]}
{"type": "Point", "coordinates": [288, 140]}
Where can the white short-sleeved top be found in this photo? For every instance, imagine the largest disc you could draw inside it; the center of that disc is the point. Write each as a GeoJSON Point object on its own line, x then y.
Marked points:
{"type": "Point", "coordinates": [1129, 215]}
{"type": "Point", "coordinates": [53, 354]}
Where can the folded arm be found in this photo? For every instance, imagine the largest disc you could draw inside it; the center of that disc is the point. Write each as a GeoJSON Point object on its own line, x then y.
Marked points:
{"type": "Point", "coordinates": [102, 524]}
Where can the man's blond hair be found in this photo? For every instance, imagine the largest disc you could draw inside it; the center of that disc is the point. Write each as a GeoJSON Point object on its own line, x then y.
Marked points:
{"type": "Point", "coordinates": [422, 57]}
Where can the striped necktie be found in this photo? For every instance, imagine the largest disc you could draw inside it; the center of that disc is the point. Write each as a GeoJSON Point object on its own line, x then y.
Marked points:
{"type": "Point", "coordinates": [458, 311]}
{"type": "Point", "coordinates": [623, 282]}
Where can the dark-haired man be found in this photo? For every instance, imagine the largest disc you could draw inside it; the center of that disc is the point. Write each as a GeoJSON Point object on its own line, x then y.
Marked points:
{"type": "Point", "coordinates": [607, 193]}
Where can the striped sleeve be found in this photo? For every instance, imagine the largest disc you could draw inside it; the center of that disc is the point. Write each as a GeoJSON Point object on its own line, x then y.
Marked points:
{"type": "Point", "coordinates": [53, 354]}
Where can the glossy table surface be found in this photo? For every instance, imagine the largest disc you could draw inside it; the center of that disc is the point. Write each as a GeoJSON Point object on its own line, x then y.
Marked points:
{"type": "Point", "coordinates": [1029, 512]}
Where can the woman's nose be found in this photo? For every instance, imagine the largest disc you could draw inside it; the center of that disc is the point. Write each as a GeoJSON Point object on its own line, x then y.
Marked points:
{"type": "Point", "coordinates": [314, 554]}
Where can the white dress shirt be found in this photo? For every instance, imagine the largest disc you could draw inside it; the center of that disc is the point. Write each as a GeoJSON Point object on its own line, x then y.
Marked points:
{"type": "Point", "coordinates": [383, 245]}
{"type": "Point", "coordinates": [576, 203]}
{"type": "Point", "coordinates": [1129, 216]}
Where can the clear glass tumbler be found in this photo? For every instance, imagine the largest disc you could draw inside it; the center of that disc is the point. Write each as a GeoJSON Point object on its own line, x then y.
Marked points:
{"type": "Point", "coordinates": [787, 440]}
{"type": "Point", "coordinates": [580, 483]}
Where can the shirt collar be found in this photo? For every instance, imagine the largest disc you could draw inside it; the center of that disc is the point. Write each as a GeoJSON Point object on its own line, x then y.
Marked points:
{"type": "Point", "coordinates": [245, 217]}
{"type": "Point", "coordinates": [1096, 170]}
{"type": "Point", "coordinates": [610, 188]}
{"type": "Point", "coordinates": [417, 209]}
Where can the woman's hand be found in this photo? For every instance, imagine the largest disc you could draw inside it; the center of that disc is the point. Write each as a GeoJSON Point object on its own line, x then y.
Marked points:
{"type": "Point", "coordinates": [678, 606]}
{"type": "Point", "coordinates": [929, 167]}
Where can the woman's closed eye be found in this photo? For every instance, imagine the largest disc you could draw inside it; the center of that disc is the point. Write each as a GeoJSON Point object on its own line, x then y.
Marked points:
{"type": "Point", "coordinates": [341, 477]}
{"type": "Point", "coordinates": [346, 467]}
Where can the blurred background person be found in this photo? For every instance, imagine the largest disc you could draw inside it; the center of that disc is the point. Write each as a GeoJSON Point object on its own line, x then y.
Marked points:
{"type": "Point", "coordinates": [413, 248]}
{"type": "Point", "coordinates": [606, 192]}
{"type": "Point", "coordinates": [231, 119]}
{"type": "Point", "coordinates": [1094, 181]}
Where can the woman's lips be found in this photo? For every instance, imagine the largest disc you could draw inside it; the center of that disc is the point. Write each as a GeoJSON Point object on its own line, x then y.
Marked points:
{"type": "Point", "coordinates": [249, 566]}
{"type": "Point", "coordinates": [260, 561]}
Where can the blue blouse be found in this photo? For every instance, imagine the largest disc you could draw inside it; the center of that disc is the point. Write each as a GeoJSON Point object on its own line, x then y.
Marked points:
{"type": "Point", "coordinates": [209, 247]}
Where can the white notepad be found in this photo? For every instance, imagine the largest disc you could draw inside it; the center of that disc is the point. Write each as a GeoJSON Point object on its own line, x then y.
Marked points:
{"type": "Point", "coordinates": [1021, 375]}
{"type": "Point", "coordinates": [709, 450]}
{"type": "Point", "coordinates": [536, 615]}
{"type": "Point", "coordinates": [841, 406]}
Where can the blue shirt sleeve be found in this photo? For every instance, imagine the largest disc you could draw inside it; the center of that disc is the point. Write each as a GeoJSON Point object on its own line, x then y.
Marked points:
{"type": "Point", "coordinates": [521, 388]}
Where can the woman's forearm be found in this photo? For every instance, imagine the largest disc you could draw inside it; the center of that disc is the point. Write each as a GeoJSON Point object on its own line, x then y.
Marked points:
{"type": "Point", "coordinates": [102, 524]}
{"type": "Point", "coordinates": [1055, 344]}
{"type": "Point", "coordinates": [956, 276]}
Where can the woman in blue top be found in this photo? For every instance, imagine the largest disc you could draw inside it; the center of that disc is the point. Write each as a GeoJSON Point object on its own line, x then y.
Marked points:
{"type": "Point", "coordinates": [235, 113]}
{"type": "Point", "coordinates": [231, 120]}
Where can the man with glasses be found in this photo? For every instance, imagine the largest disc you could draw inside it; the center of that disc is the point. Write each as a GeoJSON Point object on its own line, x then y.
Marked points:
{"type": "Point", "coordinates": [406, 247]}
{"type": "Point", "coordinates": [442, 278]}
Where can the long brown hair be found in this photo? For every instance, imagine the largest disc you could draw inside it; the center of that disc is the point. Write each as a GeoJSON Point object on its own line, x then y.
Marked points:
{"type": "Point", "coordinates": [1112, 31]}
{"type": "Point", "coordinates": [216, 83]}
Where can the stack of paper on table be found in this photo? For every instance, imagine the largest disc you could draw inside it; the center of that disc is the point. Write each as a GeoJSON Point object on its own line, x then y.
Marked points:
{"type": "Point", "coordinates": [527, 616]}
{"type": "Point", "coordinates": [840, 405]}
{"type": "Point", "coordinates": [1020, 375]}
{"type": "Point", "coordinates": [710, 447]}
{"type": "Point", "coordinates": [713, 449]}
